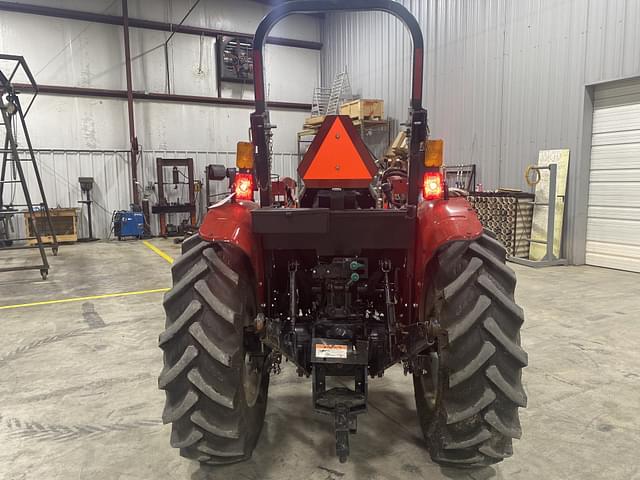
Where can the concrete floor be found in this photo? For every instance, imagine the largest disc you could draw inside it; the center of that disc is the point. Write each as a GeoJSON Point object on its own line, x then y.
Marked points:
{"type": "Point", "coordinates": [79, 398]}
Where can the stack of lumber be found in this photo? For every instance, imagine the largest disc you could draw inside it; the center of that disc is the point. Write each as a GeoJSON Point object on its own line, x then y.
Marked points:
{"type": "Point", "coordinates": [397, 154]}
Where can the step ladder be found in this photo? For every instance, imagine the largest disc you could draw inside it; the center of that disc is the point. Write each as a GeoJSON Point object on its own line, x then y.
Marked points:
{"type": "Point", "coordinates": [320, 101]}
{"type": "Point", "coordinates": [340, 90]}
{"type": "Point", "coordinates": [16, 163]}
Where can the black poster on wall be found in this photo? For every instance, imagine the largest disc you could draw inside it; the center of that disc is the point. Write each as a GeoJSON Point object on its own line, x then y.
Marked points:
{"type": "Point", "coordinates": [235, 63]}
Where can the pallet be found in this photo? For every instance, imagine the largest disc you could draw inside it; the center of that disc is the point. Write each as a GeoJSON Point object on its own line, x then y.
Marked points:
{"type": "Point", "coordinates": [307, 132]}
{"type": "Point", "coordinates": [313, 124]}
{"type": "Point", "coordinates": [65, 224]}
{"type": "Point", "coordinates": [363, 109]}
{"type": "Point", "coordinates": [314, 121]}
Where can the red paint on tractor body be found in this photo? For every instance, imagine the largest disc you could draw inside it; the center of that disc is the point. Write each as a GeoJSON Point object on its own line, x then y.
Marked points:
{"type": "Point", "coordinates": [231, 222]}
{"type": "Point", "coordinates": [440, 222]}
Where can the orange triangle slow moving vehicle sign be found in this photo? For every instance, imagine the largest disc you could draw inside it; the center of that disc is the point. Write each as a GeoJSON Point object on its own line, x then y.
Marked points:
{"type": "Point", "coordinates": [337, 157]}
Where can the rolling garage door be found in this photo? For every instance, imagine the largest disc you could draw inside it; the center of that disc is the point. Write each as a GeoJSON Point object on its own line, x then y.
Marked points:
{"type": "Point", "coordinates": [613, 225]}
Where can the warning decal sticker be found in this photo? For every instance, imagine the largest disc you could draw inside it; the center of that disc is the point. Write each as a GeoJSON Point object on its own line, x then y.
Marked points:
{"type": "Point", "coordinates": [331, 351]}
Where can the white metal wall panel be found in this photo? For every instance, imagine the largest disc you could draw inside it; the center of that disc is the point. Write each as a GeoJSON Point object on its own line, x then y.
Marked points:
{"type": "Point", "coordinates": [60, 170]}
{"type": "Point", "coordinates": [613, 219]}
{"type": "Point", "coordinates": [111, 171]}
{"type": "Point", "coordinates": [504, 79]}
{"type": "Point", "coordinates": [76, 53]}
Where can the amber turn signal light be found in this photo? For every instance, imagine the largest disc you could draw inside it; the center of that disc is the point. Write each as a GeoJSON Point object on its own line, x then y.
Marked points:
{"type": "Point", "coordinates": [434, 155]}
{"type": "Point", "coordinates": [244, 155]}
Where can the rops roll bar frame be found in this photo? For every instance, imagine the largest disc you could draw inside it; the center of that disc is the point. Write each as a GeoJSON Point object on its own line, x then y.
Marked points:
{"type": "Point", "coordinates": [260, 125]}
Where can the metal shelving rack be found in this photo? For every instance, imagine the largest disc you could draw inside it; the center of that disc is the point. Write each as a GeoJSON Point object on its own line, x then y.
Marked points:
{"type": "Point", "coordinates": [461, 176]}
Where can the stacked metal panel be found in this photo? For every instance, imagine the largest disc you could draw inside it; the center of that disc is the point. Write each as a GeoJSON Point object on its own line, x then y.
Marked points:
{"type": "Point", "coordinates": [509, 216]}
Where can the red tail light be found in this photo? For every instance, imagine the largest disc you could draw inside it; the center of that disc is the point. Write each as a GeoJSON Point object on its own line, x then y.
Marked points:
{"type": "Point", "coordinates": [432, 185]}
{"type": "Point", "coordinates": [244, 186]}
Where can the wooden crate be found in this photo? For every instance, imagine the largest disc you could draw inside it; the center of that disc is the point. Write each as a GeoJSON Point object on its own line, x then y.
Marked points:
{"type": "Point", "coordinates": [65, 225]}
{"type": "Point", "coordinates": [363, 109]}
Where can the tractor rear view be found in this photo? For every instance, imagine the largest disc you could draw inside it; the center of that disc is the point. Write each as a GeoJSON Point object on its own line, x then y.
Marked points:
{"type": "Point", "coordinates": [345, 285]}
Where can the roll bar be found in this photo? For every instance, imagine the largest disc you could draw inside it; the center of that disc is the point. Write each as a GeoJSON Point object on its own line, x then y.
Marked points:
{"type": "Point", "coordinates": [260, 126]}
{"type": "Point", "coordinates": [320, 6]}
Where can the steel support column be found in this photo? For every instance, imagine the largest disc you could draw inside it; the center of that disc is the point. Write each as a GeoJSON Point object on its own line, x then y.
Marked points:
{"type": "Point", "coordinates": [132, 128]}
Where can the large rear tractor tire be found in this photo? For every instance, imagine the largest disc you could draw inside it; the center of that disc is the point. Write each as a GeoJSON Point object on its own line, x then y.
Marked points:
{"type": "Point", "coordinates": [216, 371]}
{"type": "Point", "coordinates": [468, 403]}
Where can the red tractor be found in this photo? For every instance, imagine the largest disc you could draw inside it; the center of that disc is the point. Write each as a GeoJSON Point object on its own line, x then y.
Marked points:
{"type": "Point", "coordinates": [345, 285]}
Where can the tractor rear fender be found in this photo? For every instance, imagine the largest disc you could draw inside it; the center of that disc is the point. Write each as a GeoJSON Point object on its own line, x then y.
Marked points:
{"type": "Point", "coordinates": [231, 222]}
{"type": "Point", "coordinates": [439, 223]}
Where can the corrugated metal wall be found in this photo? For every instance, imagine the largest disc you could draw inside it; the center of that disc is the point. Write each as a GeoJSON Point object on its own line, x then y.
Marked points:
{"type": "Point", "coordinates": [83, 54]}
{"type": "Point", "coordinates": [76, 53]}
{"type": "Point", "coordinates": [503, 80]}
{"type": "Point", "coordinates": [111, 171]}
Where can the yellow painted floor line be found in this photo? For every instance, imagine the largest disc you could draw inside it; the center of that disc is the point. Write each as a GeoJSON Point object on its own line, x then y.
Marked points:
{"type": "Point", "coordinates": [155, 249]}
{"type": "Point", "coordinates": [81, 299]}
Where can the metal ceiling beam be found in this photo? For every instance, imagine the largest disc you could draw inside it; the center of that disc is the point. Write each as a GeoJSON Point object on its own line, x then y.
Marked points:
{"type": "Point", "coordinates": [156, 97]}
{"type": "Point", "coordinates": [145, 24]}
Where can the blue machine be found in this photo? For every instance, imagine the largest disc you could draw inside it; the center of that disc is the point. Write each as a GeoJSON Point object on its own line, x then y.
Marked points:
{"type": "Point", "coordinates": [127, 224]}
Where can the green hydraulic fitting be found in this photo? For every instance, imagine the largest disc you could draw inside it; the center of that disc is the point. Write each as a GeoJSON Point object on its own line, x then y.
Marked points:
{"type": "Point", "coordinates": [356, 265]}
{"type": "Point", "coordinates": [354, 278]}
